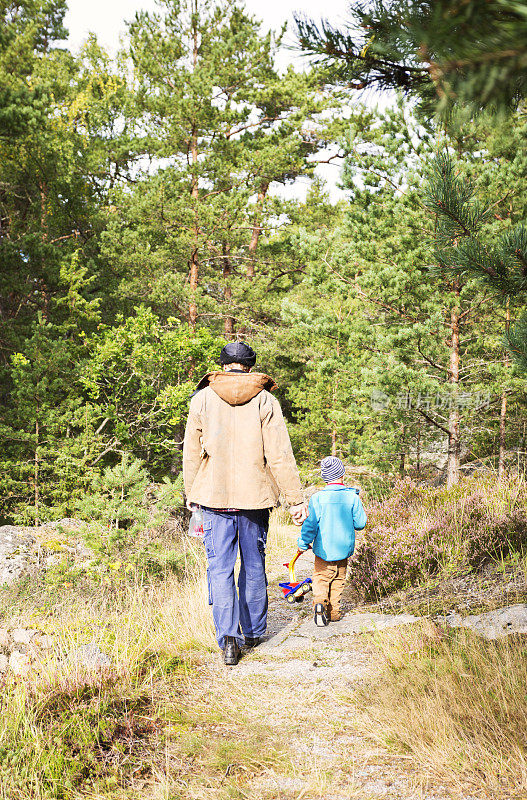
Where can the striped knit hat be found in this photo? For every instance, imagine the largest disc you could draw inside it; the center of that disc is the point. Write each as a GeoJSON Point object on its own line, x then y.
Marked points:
{"type": "Point", "coordinates": [331, 468]}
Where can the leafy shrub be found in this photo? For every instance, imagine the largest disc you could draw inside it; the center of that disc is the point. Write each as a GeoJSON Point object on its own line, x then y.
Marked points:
{"type": "Point", "coordinates": [140, 376]}
{"type": "Point", "coordinates": [126, 517]}
{"type": "Point", "coordinates": [419, 531]}
{"type": "Point", "coordinates": [118, 501]}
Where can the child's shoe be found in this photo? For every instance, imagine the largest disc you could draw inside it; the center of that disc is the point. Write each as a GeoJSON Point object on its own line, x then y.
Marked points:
{"type": "Point", "coordinates": [334, 614]}
{"type": "Point", "coordinates": [321, 619]}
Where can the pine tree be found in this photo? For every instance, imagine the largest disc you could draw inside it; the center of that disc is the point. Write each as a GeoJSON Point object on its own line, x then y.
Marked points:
{"type": "Point", "coordinates": [462, 252]}
{"type": "Point", "coordinates": [222, 125]}
{"type": "Point", "coordinates": [447, 54]}
{"type": "Point", "coordinates": [48, 430]}
{"type": "Point", "coordinates": [461, 247]}
{"type": "Point", "coordinates": [417, 370]}
{"type": "Point", "coordinates": [117, 500]}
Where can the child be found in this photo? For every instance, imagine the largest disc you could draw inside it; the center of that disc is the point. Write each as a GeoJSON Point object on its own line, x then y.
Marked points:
{"type": "Point", "coordinates": [335, 513]}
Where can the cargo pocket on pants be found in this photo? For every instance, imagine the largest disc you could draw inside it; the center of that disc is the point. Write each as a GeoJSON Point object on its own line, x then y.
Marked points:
{"type": "Point", "coordinates": [209, 584]}
{"type": "Point", "coordinates": [208, 539]}
{"type": "Point", "coordinates": [262, 545]}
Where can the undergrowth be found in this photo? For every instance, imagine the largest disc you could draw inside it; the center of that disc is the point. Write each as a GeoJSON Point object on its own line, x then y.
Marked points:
{"type": "Point", "coordinates": [456, 703]}
{"type": "Point", "coordinates": [144, 727]}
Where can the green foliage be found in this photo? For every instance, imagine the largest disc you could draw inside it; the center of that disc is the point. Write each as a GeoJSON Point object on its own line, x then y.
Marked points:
{"type": "Point", "coordinates": [143, 191]}
{"type": "Point", "coordinates": [447, 54]}
{"type": "Point", "coordinates": [117, 499]}
{"type": "Point", "coordinates": [451, 196]}
{"type": "Point", "coordinates": [187, 236]}
{"type": "Point", "coordinates": [120, 511]}
{"type": "Point", "coordinates": [47, 426]}
{"type": "Point", "coordinates": [462, 248]}
{"type": "Point", "coordinates": [370, 320]}
{"type": "Point", "coordinates": [140, 376]}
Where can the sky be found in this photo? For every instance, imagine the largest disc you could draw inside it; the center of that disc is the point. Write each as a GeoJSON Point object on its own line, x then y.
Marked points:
{"type": "Point", "coordinates": [107, 19]}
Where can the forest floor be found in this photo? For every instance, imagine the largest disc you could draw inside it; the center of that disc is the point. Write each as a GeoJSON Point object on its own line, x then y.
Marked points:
{"type": "Point", "coordinates": [299, 689]}
{"type": "Point", "coordinates": [153, 713]}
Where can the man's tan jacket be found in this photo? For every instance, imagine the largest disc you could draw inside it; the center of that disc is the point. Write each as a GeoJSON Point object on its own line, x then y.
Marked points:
{"type": "Point", "coordinates": [237, 452]}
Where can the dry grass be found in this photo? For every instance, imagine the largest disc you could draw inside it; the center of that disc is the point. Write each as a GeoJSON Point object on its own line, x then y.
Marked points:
{"type": "Point", "coordinates": [147, 726]}
{"type": "Point", "coordinates": [456, 702]}
{"type": "Point", "coordinates": [167, 721]}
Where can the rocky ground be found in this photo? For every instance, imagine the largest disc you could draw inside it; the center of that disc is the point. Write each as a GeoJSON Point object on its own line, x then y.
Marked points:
{"type": "Point", "coordinates": [25, 551]}
{"type": "Point", "coordinates": [493, 587]}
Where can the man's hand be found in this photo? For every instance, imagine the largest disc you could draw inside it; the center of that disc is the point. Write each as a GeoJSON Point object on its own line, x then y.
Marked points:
{"type": "Point", "coordinates": [299, 513]}
{"type": "Point", "coordinates": [190, 506]}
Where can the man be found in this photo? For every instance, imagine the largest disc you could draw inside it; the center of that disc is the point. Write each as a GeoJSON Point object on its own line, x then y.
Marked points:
{"type": "Point", "coordinates": [237, 459]}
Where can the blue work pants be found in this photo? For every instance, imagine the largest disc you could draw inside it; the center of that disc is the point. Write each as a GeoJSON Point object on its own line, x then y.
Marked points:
{"type": "Point", "coordinates": [243, 612]}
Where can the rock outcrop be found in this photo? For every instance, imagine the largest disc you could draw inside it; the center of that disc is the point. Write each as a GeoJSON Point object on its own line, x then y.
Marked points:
{"type": "Point", "coordinates": [492, 624]}
{"type": "Point", "coordinates": [25, 551]}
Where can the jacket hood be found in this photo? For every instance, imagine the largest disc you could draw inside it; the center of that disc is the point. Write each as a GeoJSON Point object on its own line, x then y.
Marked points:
{"type": "Point", "coordinates": [237, 388]}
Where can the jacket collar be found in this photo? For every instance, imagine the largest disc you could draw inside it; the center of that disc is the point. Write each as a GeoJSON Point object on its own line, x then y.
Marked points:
{"type": "Point", "coordinates": [236, 387]}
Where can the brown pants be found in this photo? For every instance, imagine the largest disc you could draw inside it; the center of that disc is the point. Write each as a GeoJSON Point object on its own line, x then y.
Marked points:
{"type": "Point", "coordinates": [329, 578]}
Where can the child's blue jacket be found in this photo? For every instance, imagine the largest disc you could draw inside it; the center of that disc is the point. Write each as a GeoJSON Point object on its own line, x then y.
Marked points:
{"type": "Point", "coordinates": [334, 514]}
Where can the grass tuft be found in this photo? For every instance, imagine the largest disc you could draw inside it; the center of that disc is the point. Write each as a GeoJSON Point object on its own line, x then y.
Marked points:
{"type": "Point", "coordinates": [456, 703]}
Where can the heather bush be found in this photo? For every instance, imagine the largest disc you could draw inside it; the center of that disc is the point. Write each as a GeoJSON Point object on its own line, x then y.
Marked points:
{"type": "Point", "coordinates": [418, 532]}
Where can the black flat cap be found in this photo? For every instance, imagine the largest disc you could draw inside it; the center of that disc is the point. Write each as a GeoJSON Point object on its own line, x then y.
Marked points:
{"type": "Point", "coordinates": [238, 353]}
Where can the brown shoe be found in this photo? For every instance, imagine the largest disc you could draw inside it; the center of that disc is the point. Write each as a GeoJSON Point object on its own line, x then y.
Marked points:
{"type": "Point", "coordinates": [334, 614]}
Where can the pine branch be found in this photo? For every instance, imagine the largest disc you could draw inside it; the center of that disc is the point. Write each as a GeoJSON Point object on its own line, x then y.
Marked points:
{"type": "Point", "coordinates": [429, 360]}
{"type": "Point", "coordinates": [432, 420]}
{"type": "Point", "coordinates": [362, 293]}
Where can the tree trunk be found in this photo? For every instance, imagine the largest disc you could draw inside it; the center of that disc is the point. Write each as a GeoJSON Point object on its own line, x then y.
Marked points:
{"type": "Point", "coordinates": [454, 442]}
{"type": "Point", "coordinates": [333, 423]}
{"type": "Point", "coordinates": [45, 235]}
{"type": "Point", "coordinates": [36, 475]}
{"type": "Point", "coordinates": [257, 230]}
{"type": "Point", "coordinates": [503, 417]}
{"type": "Point", "coordinates": [229, 321]}
{"type": "Point", "coordinates": [194, 193]}
{"type": "Point", "coordinates": [402, 454]}
{"type": "Point", "coordinates": [335, 390]}
{"type": "Point", "coordinates": [44, 210]}
{"type": "Point", "coordinates": [418, 450]}
{"type": "Point", "coordinates": [193, 282]}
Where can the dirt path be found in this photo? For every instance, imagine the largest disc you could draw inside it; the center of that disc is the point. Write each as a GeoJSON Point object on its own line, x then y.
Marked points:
{"type": "Point", "coordinates": [301, 683]}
